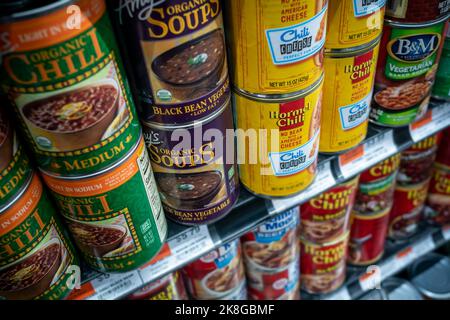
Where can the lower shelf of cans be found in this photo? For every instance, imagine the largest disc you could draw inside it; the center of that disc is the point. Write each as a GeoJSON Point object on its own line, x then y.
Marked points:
{"type": "Point", "coordinates": [186, 244]}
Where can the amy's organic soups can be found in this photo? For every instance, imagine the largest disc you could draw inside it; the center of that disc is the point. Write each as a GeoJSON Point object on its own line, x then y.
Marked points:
{"type": "Point", "coordinates": [115, 216]}
{"type": "Point", "coordinates": [62, 72]}
{"type": "Point", "coordinates": [276, 46]}
{"type": "Point", "coordinates": [278, 142]}
{"type": "Point", "coordinates": [353, 24]}
{"type": "Point", "coordinates": [347, 93]}
{"type": "Point", "coordinates": [37, 261]}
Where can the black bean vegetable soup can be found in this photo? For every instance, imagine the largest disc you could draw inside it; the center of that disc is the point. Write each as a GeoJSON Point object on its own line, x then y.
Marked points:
{"type": "Point", "coordinates": [177, 54]}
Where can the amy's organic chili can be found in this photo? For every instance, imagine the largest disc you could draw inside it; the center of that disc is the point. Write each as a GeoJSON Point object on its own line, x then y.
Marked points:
{"type": "Point", "coordinates": [170, 287]}
{"type": "Point", "coordinates": [347, 93]}
{"type": "Point", "coordinates": [367, 237]}
{"type": "Point", "coordinates": [353, 24]}
{"type": "Point", "coordinates": [37, 261]}
{"type": "Point", "coordinates": [406, 70]}
{"type": "Point", "coordinates": [216, 275]}
{"type": "Point", "coordinates": [322, 266]}
{"type": "Point", "coordinates": [414, 11]}
{"type": "Point", "coordinates": [406, 212]}
{"type": "Point", "coordinates": [441, 87]}
{"type": "Point", "coordinates": [114, 216]}
{"type": "Point", "coordinates": [276, 46]}
{"type": "Point", "coordinates": [68, 87]}
{"type": "Point", "coordinates": [326, 217]}
{"type": "Point", "coordinates": [278, 142]}
{"type": "Point", "coordinates": [195, 168]}
{"type": "Point", "coordinates": [178, 54]}
{"type": "Point", "coordinates": [271, 254]}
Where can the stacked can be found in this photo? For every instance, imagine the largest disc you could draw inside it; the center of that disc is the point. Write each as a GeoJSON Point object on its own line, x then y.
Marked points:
{"type": "Point", "coordinates": [370, 216]}
{"type": "Point", "coordinates": [218, 275]}
{"type": "Point", "coordinates": [441, 87]}
{"type": "Point", "coordinates": [37, 260]}
{"type": "Point", "coordinates": [170, 287]}
{"type": "Point", "coordinates": [351, 52]}
{"type": "Point", "coordinates": [412, 187]}
{"type": "Point", "coordinates": [413, 37]}
{"type": "Point", "coordinates": [75, 109]}
{"type": "Point", "coordinates": [277, 59]}
{"type": "Point", "coordinates": [324, 235]}
{"type": "Point", "coordinates": [180, 75]}
{"type": "Point", "coordinates": [271, 255]}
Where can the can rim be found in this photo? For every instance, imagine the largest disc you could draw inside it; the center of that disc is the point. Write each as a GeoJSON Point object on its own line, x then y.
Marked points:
{"type": "Point", "coordinates": [372, 215]}
{"type": "Point", "coordinates": [351, 52]}
{"type": "Point", "coordinates": [343, 238]}
{"type": "Point", "coordinates": [34, 12]}
{"type": "Point", "coordinates": [20, 193]}
{"type": "Point", "coordinates": [414, 25]}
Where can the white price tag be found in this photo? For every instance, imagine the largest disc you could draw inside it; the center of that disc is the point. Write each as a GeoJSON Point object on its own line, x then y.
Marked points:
{"type": "Point", "coordinates": [423, 247]}
{"type": "Point", "coordinates": [341, 294]}
{"type": "Point", "coordinates": [323, 181]}
{"type": "Point", "coordinates": [157, 269]}
{"type": "Point", "coordinates": [113, 285]}
{"type": "Point", "coordinates": [435, 120]}
{"type": "Point", "coordinates": [190, 242]}
{"type": "Point", "coordinates": [371, 279]}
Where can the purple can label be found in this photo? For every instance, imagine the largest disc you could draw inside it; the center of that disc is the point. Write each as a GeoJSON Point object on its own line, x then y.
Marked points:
{"type": "Point", "coordinates": [195, 168]}
{"type": "Point", "coordinates": [178, 57]}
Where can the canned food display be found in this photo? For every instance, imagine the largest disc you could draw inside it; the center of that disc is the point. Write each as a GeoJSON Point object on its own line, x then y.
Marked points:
{"type": "Point", "coordinates": [441, 87]}
{"type": "Point", "coordinates": [271, 255]}
{"type": "Point", "coordinates": [413, 11]}
{"type": "Point", "coordinates": [37, 259]}
{"type": "Point", "coordinates": [347, 93]}
{"type": "Point", "coordinates": [326, 217]}
{"type": "Point", "coordinates": [115, 216]}
{"type": "Point", "coordinates": [278, 48]}
{"type": "Point", "coordinates": [170, 287]}
{"type": "Point", "coordinates": [198, 182]}
{"type": "Point", "coordinates": [217, 275]}
{"type": "Point", "coordinates": [322, 266]}
{"type": "Point", "coordinates": [353, 24]}
{"type": "Point", "coordinates": [278, 142]}
{"type": "Point", "coordinates": [178, 55]}
{"type": "Point", "coordinates": [68, 87]}
{"type": "Point", "coordinates": [367, 237]}
{"type": "Point", "coordinates": [406, 69]}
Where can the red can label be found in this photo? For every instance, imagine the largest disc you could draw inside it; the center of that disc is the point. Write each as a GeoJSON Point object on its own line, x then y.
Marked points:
{"type": "Point", "coordinates": [411, 11]}
{"type": "Point", "coordinates": [325, 217]}
{"type": "Point", "coordinates": [367, 237]}
{"type": "Point", "coordinates": [375, 196]}
{"type": "Point", "coordinates": [170, 287]}
{"type": "Point", "coordinates": [381, 170]}
{"type": "Point", "coordinates": [438, 202]}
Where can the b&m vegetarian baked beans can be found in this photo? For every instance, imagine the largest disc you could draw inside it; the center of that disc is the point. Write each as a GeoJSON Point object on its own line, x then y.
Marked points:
{"type": "Point", "coordinates": [347, 93]}
{"type": "Point", "coordinates": [195, 167]}
{"type": "Point", "coordinates": [323, 265]}
{"type": "Point", "coordinates": [414, 11]}
{"type": "Point", "coordinates": [278, 142]}
{"type": "Point", "coordinates": [37, 260]}
{"type": "Point", "coordinates": [115, 216]}
{"type": "Point", "coordinates": [353, 24]}
{"type": "Point", "coordinates": [326, 217]}
{"type": "Point", "coordinates": [276, 46]}
{"type": "Point", "coordinates": [68, 86]}
{"type": "Point", "coordinates": [218, 274]}
{"type": "Point", "coordinates": [406, 70]}
{"type": "Point", "coordinates": [271, 254]}
{"type": "Point", "coordinates": [441, 87]}
{"type": "Point", "coordinates": [177, 55]}
{"type": "Point", "coordinates": [170, 287]}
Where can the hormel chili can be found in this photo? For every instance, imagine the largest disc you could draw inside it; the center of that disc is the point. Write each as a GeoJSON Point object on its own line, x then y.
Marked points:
{"type": "Point", "coordinates": [326, 217]}
{"type": "Point", "coordinates": [414, 11]}
{"type": "Point", "coordinates": [170, 287]}
{"type": "Point", "coordinates": [381, 170]}
{"type": "Point", "coordinates": [115, 216]}
{"type": "Point", "coordinates": [217, 274]}
{"type": "Point", "coordinates": [322, 266]}
{"type": "Point", "coordinates": [367, 237]}
{"type": "Point", "coordinates": [417, 162]}
{"type": "Point", "coordinates": [406, 212]}
{"type": "Point", "coordinates": [271, 254]}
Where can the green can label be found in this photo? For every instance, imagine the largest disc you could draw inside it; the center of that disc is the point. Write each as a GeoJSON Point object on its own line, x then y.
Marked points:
{"type": "Point", "coordinates": [441, 87]}
{"type": "Point", "coordinates": [68, 88]}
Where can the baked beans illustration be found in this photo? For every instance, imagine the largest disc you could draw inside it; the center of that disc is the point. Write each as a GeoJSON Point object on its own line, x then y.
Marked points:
{"type": "Point", "coordinates": [170, 287]}
{"type": "Point", "coordinates": [414, 11]}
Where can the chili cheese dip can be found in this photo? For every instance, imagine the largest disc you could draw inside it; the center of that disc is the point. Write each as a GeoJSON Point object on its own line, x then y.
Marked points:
{"type": "Point", "coordinates": [271, 255]}
{"type": "Point", "coordinates": [327, 216]}
{"type": "Point", "coordinates": [114, 216]}
{"type": "Point", "coordinates": [347, 93]}
{"type": "Point", "coordinates": [416, 11]}
{"type": "Point", "coordinates": [37, 260]}
{"type": "Point", "coordinates": [278, 142]}
{"type": "Point", "coordinates": [353, 24]}
{"type": "Point", "coordinates": [216, 275]}
{"type": "Point", "coordinates": [177, 55]}
{"type": "Point", "coordinates": [278, 48]}
{"type": "Point", "coordinates": [441, 87]}
{"type": "Point", "coordinates": [170, 287]}
{"type": "Point", "coordinates": [195, 168]}
{"type": "Point", "coordinates": [406, 70]}
{"type": "Point", "coordinates": [68, 86]}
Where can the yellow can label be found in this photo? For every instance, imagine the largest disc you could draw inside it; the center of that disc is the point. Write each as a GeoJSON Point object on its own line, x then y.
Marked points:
{"type": "Point", "coordinates": [352, 23]}
{"type": "Point", "coordinates": [346, 103]}
{"type": "Point", "coordinates": [276, 46]}
{"type": "Point", "coordinates": [278, 143]}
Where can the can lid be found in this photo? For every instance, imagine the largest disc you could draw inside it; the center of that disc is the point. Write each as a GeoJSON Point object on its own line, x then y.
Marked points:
{"type": "Point", "coordinates": [353, 51]}
{"type": "Point", "coordinates": [343, 238]}
{"type": "Point", "coordinates": [400, 289]}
